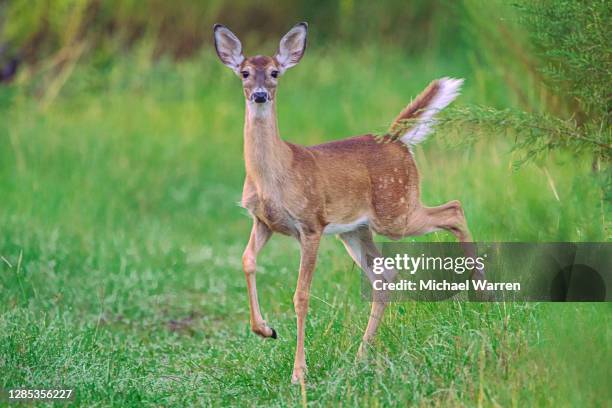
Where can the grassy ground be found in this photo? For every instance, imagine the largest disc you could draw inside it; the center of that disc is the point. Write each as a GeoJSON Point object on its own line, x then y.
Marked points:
{"type": "Point", "coordinates": [121, 240]}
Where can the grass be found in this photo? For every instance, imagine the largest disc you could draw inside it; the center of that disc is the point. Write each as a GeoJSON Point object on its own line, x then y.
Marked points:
{"type": "Point", "coordinates": [121, 240]}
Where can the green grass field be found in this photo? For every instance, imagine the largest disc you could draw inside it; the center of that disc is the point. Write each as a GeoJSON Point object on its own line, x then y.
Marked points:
{"type": "Point", "coordinates": [121, 240]}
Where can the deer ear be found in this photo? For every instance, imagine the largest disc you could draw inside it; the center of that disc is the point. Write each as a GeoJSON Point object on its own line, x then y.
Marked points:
{"type": "Point", "coordinates": [292, 46]}
{"type": "Point", "coordinates": [228, 46]}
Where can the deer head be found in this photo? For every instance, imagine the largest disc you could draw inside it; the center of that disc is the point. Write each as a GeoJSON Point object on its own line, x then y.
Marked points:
{"type": "Point", "coordinates": [260, 74]}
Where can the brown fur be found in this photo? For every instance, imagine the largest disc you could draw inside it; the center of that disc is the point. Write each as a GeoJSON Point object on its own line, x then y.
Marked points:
{"type": "Point", "coordinates": [299, 191]}
{"type": "Point", "coordinates": [341, 181]}
{"type": "Point", "coordinates": [413, 110]}
{"type": "Point", "coordinates": [259, 68]}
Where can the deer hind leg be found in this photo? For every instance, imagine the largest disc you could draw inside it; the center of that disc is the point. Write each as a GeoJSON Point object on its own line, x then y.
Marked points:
{"type": "Point", "coordinates": [362, 249]}
{"type": "Point", "coordinates": [260, 234]}
{"type": "Point", "coordinates": [450, 217]}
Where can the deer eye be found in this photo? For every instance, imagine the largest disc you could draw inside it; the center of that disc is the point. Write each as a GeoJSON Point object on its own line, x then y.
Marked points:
{"type": "Point", "coordinates": [274, 73]}
{"type": "Point", "coordinates": [245, 74]}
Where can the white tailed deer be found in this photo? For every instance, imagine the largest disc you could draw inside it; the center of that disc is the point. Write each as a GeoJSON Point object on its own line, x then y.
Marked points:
{"type": "Point", "coordinates": [349, 187]}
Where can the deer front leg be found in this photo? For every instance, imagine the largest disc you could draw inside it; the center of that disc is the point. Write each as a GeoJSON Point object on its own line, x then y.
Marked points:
{"type": "Point", "coordinates": [260, 233]}
{"type": "Point", "coordinates": [309, 248]}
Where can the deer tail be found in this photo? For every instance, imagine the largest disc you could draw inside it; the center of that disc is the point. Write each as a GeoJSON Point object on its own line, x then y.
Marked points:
{"type": "Point", "coordinates": [414, 123]}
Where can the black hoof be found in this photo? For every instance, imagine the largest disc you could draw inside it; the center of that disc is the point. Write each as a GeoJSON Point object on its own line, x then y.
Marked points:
{"type": "Point", "coordinates": [274, 336]}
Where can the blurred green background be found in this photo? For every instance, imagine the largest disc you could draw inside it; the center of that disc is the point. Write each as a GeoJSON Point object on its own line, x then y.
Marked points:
{"type": "Point", "coordinates": [121, 166]}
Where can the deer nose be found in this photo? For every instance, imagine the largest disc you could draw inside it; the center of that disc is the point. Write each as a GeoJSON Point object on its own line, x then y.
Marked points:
{"type": "Point", "coordinates": [260, 97]}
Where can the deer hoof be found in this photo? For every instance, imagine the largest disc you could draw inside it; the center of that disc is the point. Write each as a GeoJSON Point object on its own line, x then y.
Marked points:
{"type": "Point", "coordinates": [362, 352]}
{"type": "Point", "coordinates": [264, 330]}
{"type": "Point", "coordinates": [298, 376]}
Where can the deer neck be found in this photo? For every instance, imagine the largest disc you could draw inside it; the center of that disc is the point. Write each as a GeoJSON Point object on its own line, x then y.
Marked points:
{"type": "Point", "coordinates": [266, 155]}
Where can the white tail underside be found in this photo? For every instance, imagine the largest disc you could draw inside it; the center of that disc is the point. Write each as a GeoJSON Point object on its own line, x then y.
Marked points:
{"type": "Point", "coordinates": [449, 90]}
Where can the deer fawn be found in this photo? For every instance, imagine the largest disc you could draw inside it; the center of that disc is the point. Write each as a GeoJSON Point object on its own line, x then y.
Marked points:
{"type": "Point", "coordinates": [349, 187]}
